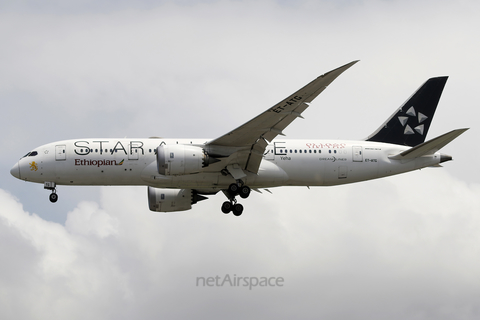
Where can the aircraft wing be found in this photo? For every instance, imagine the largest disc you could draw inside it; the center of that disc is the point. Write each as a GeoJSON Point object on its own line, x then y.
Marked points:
{"type": "Point", "coordinates": [246, 144]}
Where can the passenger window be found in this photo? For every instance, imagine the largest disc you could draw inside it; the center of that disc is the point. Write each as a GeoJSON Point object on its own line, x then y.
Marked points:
{"type": "Point", "coordinates": [300, 151]}
{"type": "Point", "coordinates": [309, 151]}
{"type": "Point", "coordinates": [295, 150]}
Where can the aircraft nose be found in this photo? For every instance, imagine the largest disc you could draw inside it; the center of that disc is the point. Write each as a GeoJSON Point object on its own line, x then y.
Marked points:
{"type": "Point", "coordinates": [15, 171]}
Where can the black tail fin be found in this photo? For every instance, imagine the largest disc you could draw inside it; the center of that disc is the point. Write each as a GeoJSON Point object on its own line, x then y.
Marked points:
{"type": "Point", "coordinates": [410, 123]}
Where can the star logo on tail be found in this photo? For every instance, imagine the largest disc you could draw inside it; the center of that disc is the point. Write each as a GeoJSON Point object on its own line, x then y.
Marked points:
{"type": "Point", "coordinates": [411, 113]}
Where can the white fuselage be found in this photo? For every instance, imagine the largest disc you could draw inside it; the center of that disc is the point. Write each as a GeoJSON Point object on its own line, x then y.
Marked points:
{"type": "Point", "coordinates": [312, 162]}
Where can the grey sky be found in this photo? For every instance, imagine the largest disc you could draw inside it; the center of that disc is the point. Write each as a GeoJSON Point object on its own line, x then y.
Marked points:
{"type": "Point", "coordinates": [404, 247]}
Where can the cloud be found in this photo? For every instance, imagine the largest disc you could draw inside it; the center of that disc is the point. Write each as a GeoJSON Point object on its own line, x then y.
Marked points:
{"type": "Point", "coordinates": [89, 219]}
{"type": "Point", "coordinates": [403, 247]}
{"type": "Point", "coordinates": [52, 273]}
{"type": "Point", "coordinates": [343, 251]}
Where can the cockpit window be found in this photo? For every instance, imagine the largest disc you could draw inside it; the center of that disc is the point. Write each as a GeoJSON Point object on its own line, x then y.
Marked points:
{"type": "Point", "coordinates": [26, 155]}
{"type": "Point", "coordinates": [33, 154]}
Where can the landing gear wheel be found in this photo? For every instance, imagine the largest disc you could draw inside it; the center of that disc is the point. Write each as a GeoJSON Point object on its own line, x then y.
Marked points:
{"type": "Point", "coordinates": [237, 209]}
{"type": "Point", "coordinates": [244, 192]}
{"type": "Point", "coordinates": [233, 189]}
{"type": "Point", "coordinates": [227, 207]}
{"type": "Point", "coordinates": [53, 197]}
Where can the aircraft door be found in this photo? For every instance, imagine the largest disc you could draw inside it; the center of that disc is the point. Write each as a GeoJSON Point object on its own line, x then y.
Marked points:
{"type": "Point", "coordinates": [357, 154]}
{"type": "Point", "coordinates": [60, 152]}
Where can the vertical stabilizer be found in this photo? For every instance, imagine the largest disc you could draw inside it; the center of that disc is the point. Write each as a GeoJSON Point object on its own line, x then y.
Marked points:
{"type": "Point", "coordinates": [410, 123]}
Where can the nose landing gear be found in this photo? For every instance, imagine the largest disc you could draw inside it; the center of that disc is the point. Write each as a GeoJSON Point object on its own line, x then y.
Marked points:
{"type": "Point", "coordinates": [51, 186]}
{"type": "Point", "coordinates": [53, 197]}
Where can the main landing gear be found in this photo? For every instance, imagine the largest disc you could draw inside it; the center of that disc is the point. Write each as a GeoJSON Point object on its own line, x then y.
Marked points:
{"type": "Point", "coordinates": [233, 190]}
{"type": "Point", "coordinates": [51, 186]}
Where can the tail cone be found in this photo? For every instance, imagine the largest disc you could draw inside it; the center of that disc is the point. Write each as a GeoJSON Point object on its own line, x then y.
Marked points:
{"type": "Point", "coordinates": [445, 157]}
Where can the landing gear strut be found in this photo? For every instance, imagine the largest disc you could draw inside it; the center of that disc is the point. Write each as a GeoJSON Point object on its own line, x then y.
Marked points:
{"type": "Point", "coordinates": [233, 190]}
{"type": "Point", "coordinates": [51, 186]}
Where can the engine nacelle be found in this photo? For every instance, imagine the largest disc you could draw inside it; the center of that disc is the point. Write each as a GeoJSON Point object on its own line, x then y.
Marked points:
{"type": "Point", "coordinates": [179, 159]}
{"type": "Point", "coordinates": [169, 200]}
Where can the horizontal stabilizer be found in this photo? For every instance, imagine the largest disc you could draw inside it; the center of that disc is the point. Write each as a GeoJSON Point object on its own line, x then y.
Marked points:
{"type": "Point", "coordinates": [429, 147]}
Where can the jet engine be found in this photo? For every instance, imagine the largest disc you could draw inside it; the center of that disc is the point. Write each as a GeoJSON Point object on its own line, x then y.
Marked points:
{"type": "Point", "coordinates": [169, 200]}
{"type": "Point", "coordinates": [179, 159]}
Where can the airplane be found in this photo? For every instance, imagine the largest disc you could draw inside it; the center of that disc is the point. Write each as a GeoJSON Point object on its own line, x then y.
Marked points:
{"type": "Point", "coordinates": [180, 172]}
